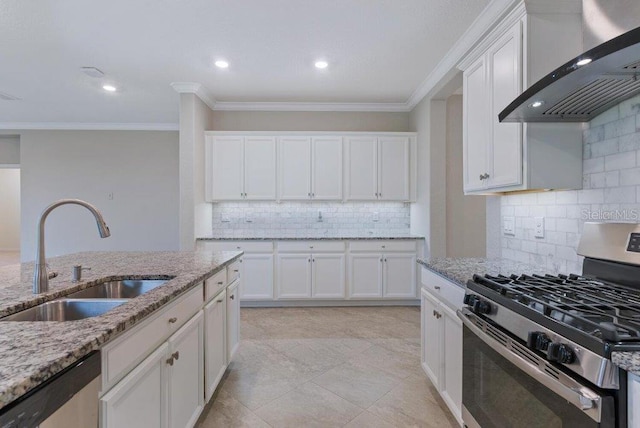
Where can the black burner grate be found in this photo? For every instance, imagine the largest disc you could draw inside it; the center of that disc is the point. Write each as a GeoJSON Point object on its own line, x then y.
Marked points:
{"type": "Point", "coordinates": [600, 309]}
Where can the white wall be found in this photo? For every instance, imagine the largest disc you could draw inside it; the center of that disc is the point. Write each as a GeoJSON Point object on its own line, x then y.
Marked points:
{"type": "Point", "coordinates": [140, 168]}
{"type": "Point", "coordinates": [310, 121]}
{"type": "Point", "coordinates": [9, 150]}
{"type": "Point", "coordinates": [9, 209]}
{"type": "Point", "coordinates": [195, 214]}
{"type": "Point", "coordinates": [465, 215]}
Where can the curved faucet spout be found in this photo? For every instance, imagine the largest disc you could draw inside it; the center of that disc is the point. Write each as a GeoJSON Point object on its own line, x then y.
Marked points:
{"type": "Point", "coordinates": [40, 275]}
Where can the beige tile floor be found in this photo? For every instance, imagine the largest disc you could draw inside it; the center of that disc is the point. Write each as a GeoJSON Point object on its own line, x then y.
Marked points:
{"type": "Point", "coordinates": [327, 367]}
{"type": "Point", "coordinates": [9, 257]}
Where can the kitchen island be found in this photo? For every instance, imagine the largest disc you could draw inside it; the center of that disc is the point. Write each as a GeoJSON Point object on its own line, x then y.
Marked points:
{"type": "Point", "coordinates": [32, 352]}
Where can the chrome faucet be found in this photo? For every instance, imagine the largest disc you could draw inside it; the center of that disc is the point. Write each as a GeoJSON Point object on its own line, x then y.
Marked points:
{"type": "Point", "coordinates": [40, 275]}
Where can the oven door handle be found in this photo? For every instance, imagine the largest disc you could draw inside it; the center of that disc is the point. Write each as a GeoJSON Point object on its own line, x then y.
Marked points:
{"type": "Point", "coordinates": [566, 387]}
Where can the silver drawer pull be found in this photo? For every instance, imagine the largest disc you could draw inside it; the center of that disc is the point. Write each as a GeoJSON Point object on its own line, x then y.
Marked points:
{"type": "Point", "coordinates": [219, 301]}
{"type": "Point", "coordinates": [220, 283]}
{"type": "Point", "coordinates": [437, 287]}
{"type": "Point", "coordinates": [231, 297]}
{"type": "Point", "coordinates": [172, 320]}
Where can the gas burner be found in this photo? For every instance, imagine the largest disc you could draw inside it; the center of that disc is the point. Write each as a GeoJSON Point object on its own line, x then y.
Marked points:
{"type": "Point", "coordinates": [602, 310]}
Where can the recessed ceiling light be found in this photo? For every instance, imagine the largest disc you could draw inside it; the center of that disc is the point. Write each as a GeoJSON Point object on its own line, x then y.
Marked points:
{"type": "Point", "coordinates": [584, 61]}
{"type": "Point", "coordinates": [536, 104]}
{"type": "Point", "coordinates": [321, 64]}
{"type": "Point", "coordinates": [222, 64]}
{"type": "Point", "coordinates": [109, 88]}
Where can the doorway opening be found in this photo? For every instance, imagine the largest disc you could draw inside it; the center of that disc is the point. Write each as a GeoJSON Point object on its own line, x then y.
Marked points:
{"type": "Point", "coordinates": [9, 199]}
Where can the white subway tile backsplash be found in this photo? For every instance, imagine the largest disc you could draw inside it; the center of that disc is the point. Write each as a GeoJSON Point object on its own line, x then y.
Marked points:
{"type": "Point", "coordinates": [620, 161]}
{"type": "Point", "coordinates": [611, 192]}
{"type": "Point", "coordinates": [295, 218]}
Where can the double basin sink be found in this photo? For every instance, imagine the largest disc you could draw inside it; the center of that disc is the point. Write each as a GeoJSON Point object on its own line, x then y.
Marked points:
{"type": "Point", "coordinates": [87, 303]}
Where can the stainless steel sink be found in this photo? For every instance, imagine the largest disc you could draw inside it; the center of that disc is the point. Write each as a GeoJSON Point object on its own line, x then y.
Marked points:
{"type": "Point", "coordinates": [66, 310]}
{"type": "Point", "coordinates": [123, 289]}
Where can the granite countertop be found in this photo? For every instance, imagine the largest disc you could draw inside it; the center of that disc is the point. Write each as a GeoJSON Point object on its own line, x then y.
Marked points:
{"type": "Point", "coordinates": [460, 270]}
{"type": "Point", "coordinates": [31, 352]}
{"type": "Point", "coordinates": [311, 235]}
{"type": "Point", "coordinates": [629, 361]}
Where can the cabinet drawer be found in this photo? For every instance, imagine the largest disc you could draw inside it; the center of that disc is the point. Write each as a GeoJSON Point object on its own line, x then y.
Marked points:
{"type": "Point", "coordinates": [215, 284]}
{"type": "Point", "coordinates": [246, 246]}
{"type": "Point", "coordinates": [124, 353]}
{"type": "Point", "coordinates": [452, 294]}
{"type": "Point", "coordinates": [310, 246]}
{"type": "Point", "coordinates": [382, 246]}
{"type": "Point", "coordinates": [233, 271]}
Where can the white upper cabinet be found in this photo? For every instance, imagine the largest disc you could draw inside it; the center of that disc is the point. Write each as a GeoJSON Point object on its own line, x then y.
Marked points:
{"type": "Point", "coordinates": [362, 168]}
{"type": "Point", "coordinates": [240, 168]}
{"type": "Point", "coordinates": [326, 168]}
{"type": "Point", "coordinates": [393, 168]}
{"type": "Point", "coordinates": [502, 157]}
{"type": "Point", "coordinates": [378, 168]}
{"type": "Point", "coordinates": [260, 168]}
{"type": "Point", "coordinates": [317, 167]}
{"type": "Point", "coordinates": [294, 168]}
{"type": "Point", "coordinates": [225, 178]}
{"type": "Point", "coordinates": [310, 168]}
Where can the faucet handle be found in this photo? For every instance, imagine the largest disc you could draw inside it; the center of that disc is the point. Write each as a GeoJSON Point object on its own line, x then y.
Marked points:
{"type": "Point", "coordinates": [50, 274]}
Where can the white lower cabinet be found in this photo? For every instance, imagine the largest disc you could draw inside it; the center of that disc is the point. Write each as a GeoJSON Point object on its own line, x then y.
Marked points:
{"type": "Point", "coordinates": [139, 399]}
{"type": "Point", "coordinates": [303, 276]}
{"type": "Point", "coordinates": [215, 351]}
{"type": "Point", "coordinates": [441, 339]}
{"type": "Point", "coordinates": [166, 389]}
{"type": "Point", "coordinates": [390, 275]}
{"type": "Point", "coordinates": [233, 319]}
{"type": "Point", "coordinates": [186, 373]}
{"type": "Point", "coordinates": [257, 277]}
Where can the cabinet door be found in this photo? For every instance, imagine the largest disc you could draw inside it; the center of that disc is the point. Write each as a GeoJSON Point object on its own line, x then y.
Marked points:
{"type": "Point", "coordinates": [505, 83]}
{"type": "Point", "coordinates": [476, 128]}
{"type": "Point", "coordinates": [328, 276]}
{"type": "Point", "coordinates": [215, 352]}
{"type": "Point", "coordinates": [295, 168]}
{"type": "Point", "coordinates": [365, 279]}
{"type": "Point", "coordinates": [138, 400]}
{"type": "Point", "coordinates": [393, 169]}
{"type": "Point", "coordinates": [399, 275]}
{"type": "Point", "coordinates": [431, 338]}
{"type": "Point", "coordinates": [294, 276]}
{"type": "Point", "coordinates": [227, 168]}
{"type": "Point", "coordinates": [186, 373]}
{"type": "Point", "coordinates": [260, 168]}
{"type": "Point", "coordinates": [362, 166]}
{"type": "Point", "coordinates": [233, 319]}
{"type": "Point", "coordinates": [452, 344]}
{"type": "Point", "coordinates": [257, 276]}
{"type": "Point", "coordinates": [327, 168]}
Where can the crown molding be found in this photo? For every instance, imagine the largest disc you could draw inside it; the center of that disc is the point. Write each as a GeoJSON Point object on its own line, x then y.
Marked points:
{"type": "Point", "coordinates": [488, 19]}
{"type": "Point", "coordinates": [197, 89]}
{"type": "Point", "coordinates": [297, 106]}
{"type": "Point", "coordinates": [73, 126]}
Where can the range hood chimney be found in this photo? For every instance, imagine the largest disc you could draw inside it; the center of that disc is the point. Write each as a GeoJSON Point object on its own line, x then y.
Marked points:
{"type": "Point", "coordinates": [584, 87]}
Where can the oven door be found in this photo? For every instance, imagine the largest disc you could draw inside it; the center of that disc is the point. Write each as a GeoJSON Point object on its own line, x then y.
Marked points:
{"type": "Point", "coordinates": [505, 384]}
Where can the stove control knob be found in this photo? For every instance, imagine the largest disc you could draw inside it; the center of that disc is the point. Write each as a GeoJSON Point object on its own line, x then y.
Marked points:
{"type": "Point", "coordinates": [538, 340]}
{"type": "Point", "coordinates": [481, 307]}
{"type": "Point", "coordinates": [469, 299]}
{"type": "Point", "coordinates": [560, 353]}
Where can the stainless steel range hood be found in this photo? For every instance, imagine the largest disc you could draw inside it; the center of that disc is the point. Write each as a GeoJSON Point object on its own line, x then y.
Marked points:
{"type": "Point", "coordinates": [584, 87]}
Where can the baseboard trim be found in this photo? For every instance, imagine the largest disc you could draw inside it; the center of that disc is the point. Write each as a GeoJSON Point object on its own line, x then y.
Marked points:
{"type": "Point", "coordinates": [325, 303]}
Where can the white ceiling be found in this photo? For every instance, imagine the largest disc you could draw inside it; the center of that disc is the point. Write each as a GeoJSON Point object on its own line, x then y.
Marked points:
{"type": "Point", "coordinates": [379, 51]}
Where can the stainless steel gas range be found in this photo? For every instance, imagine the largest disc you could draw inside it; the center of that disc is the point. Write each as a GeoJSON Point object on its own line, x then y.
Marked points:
{"type": "Point", "coordinates": [537, 348]}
